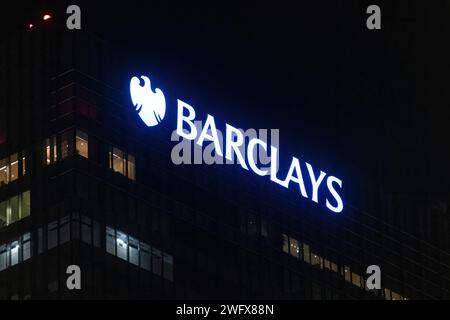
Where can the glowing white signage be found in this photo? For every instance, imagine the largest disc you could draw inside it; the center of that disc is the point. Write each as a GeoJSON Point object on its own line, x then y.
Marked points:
{"type": "Point", "coordinates": [153, 105]}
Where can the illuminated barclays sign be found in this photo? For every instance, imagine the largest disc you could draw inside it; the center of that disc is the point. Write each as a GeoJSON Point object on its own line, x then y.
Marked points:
{"type": "Point", "coordinates": [151, 108]}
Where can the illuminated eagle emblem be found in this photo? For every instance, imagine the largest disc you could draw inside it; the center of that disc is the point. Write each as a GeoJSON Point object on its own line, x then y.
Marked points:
{"type": "Point", "coordinates": [151, 106]}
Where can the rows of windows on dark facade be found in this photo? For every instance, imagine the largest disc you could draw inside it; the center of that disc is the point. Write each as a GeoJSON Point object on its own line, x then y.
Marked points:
{"type": "Point", "coordinates": [76, 141]}
{"type": "Point", "coordinates": [302, 251]}
{"type": "Point", "coordinates": [118, 243]}
{"type": "Point", "coordinates": [80, 227]}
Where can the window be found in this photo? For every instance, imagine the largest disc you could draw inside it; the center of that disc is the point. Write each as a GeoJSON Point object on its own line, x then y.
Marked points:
{"type": "Point", "coordinates": [316, 260]}
{"type": "Point", "coordinates": [306, 256]}
{"type": "Point", "coordinates": [52, 235]}
{"type": "Point", "coordinates": [123, 163]}
{"type": "Point", "coordinates": [346, 273]}
{"type": "Point", "coordinates": [82, 144]}
{"type": "Point", "coordinates": [139, 253]}
{"type": "Point", "coordinates": [26, 246]}
{"type": "Point", "coordinates": [133, 252]}
{"type": "Point", "coordinates": [14, 253]}
{"type": "Point", "coordinates": [86, 230]}
{"type": "Point", "coordinates": [294, 248]}
{"type": "Point", "coordinates": [110, 241]}
{"type": "Point", "coordinates": [145, 252]}
{"type": "Point", "coordinates": [285, 243]}
{"type": "Point", "coordinates": [118, 161]}
{"type": "Point", "coordinates": [334, 267]}
{"type": "Point", "coordinates": [14, 209]}
{"type": "Point", "coordinates": [3, 257]}
{"type": "Point", "coordinates": [168, 267]}
{"type": "Point", "coordinates": [156, 261]}
{"type": "Point", "coordinates": [9, 168]}
{"type": "Point", "coordinates": [122, 245]}
{"type": "Point", "coordinates": [66, 144]}
{"type": "Point", "coordinates": [356, 279]}
{"type": "Point", "coordinates": [50, 151]}
{"type": "Point", "coordinates": [326, 264]}
{"type": "Point", "coordinates": [64, 230]}
{"type": "Point", "coordinates": [131, 167]}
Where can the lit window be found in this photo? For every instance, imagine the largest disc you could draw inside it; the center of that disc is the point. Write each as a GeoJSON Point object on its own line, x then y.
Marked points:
{"type": "Point", "coordinates": [131, 167]}
{"type": "Point", "coordinates": [118, 161]}
{"type": "Point", "coordinates": [326, 264]}
{"type": "Point", "coordinates": [122, 163]}
{"type": "Point", "coordinates": [3, 257]}
{"type": "Point", "coordinates": [26, 246]}
{"type": "Point", "coordinates": [395, 296]}
{"type": "Point", "coordinates": [3, 214]}
{"type": "Point", "coordinates": [316, 260]}
{"type": "Point", "coordinates": [110, 240]}
{"type": "Point", "coordinates": [346, 273]}
{"type": "Point", "coordinates": [294, 248]}
{"type": "Point", "coordinates": [133, 247]}
{"type": "Point", "coordinates": [14, 253]}
{"type": "Point", "coordinates": [9, 168]}
{"type": "Point", "coordinates": [14, 167]}
{"type": "Point", "coordinates": [306, 256]}
{"type": "Point", "coordinates": [3, 172]}
{"type": "Point", "coordinates": [122, 245]}
{"type": "Point", "coordinates": [334, 267]}
{"type": "Point", "coordinates": [356, 279]}
{"type": "Point", "coordinates": [81, 144]}
{"type": "Point", "coordinates": [387, 294]}
{"type": "Point", "coordinates": [66, 144]}
{"type": "Point", "coordinates": [14, 209]}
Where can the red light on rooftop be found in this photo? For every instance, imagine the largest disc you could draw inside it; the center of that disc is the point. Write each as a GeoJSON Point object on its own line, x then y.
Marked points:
{"type": "Point", "coordinates": [47, 17]}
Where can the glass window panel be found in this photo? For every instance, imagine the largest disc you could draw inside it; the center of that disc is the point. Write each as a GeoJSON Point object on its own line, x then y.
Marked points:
{"type": "Point", "coordinates": [86, 230]}
{"type": "Point", "coordinates": [347, 273]}
{"type": "Point", "coordinates": [356, 279]}
{"type": "Point", "coordinates": [326, 264]}
{"type": "Point", "coordinates": [168, 267]}
{"type": "Point", "coordinates": [306, 256]}
{"type": "Point", "coordinates": [3, 219]}
{"type": "Point", "coordinates": [387, 294]}
{"type": "Point", "coordinates": [110, 241]}
{"type": "Point", "coordinates": [24, 166]}
{"type": "Point", "coordinates": [133, 247]}
{"type": "Point", "coordinates": [145, 252]}
{"type": "Point", "coordinates": [64, 230]}
{"type": "Point", "coordinates": [395, 296]}
{"type": "Point", "coordinates": [285, 243]}
{"type": "Point", "coordinates": [26, 246]}
{"type": "Point", "coordinates": [14, 209]}
{"type": "Point", "coordinates": [14, 253]}
{"type": "Point", "coordinates": [118, 161]}
{"type": "Point", "coordinates": [82, 144]}
{"type": "Point", "coordinates": [3, 173]}
{"type": "Point", "coordinates": [52, 235]}
{"type": "Point", "coordinates": [14, 168]}
{"type": "Point", "coordinates": [316, 260]}
{"type": "Point", "coordinates": [55, 150]}
{"type": "Point", "coordinates": [334, 267]}
{"type": "Point", "coordinates": [131, 167]}
{"type": "Point", "coordinates": [294, 248]}
{"type": "Point", "coordinates": [25, 205]}
{"type": "Point", "coordinates": [122, 245]}
{"type": "Point", "coordinates": [96, 234]}
{"type": "Point", "coordinates": [156, 261]}
{"type": "Point", "coordinates": [3, 257]}
{"type": "Point", "coordinates": [66, 144]}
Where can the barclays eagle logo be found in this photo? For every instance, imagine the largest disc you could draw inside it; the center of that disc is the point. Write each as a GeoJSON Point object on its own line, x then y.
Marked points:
{"type": "Point", "coordinates": [151, 106]}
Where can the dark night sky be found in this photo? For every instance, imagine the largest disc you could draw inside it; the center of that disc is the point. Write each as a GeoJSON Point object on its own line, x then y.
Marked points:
{"type": "Point", "coordinates": [362, 103]}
